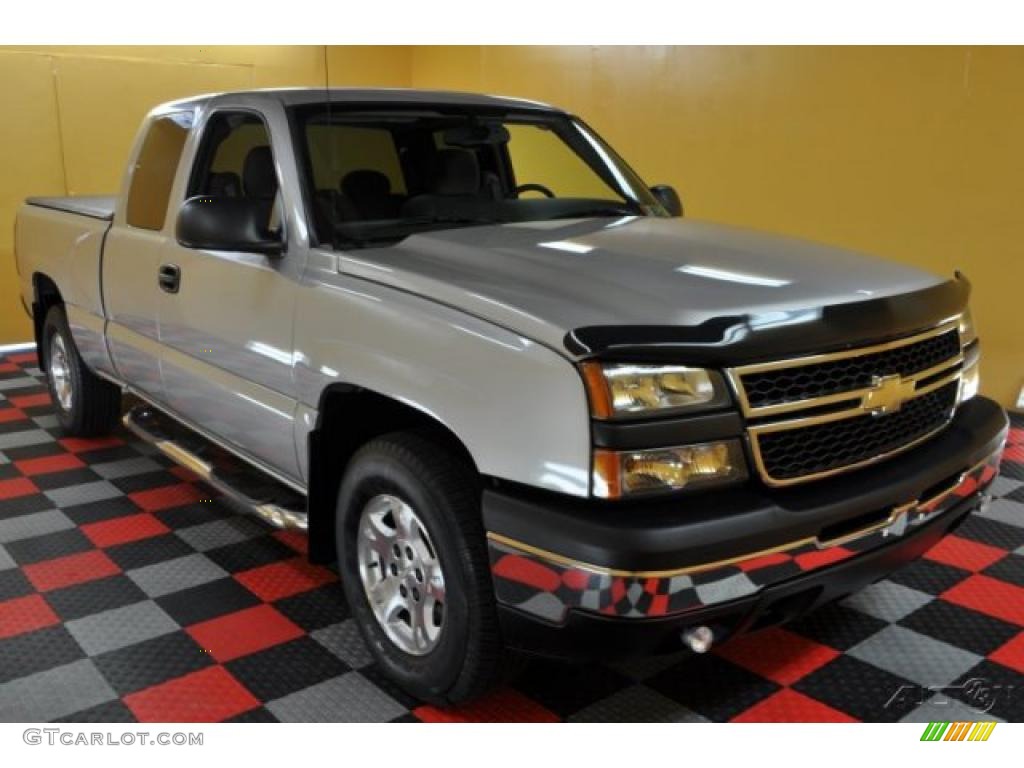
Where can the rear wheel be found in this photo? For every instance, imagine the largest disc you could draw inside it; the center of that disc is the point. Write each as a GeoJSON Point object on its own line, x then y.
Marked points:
{"type": "Point", "coordinates": [413, 562]}
{"type": "Point", "coordinates": [85, 404]}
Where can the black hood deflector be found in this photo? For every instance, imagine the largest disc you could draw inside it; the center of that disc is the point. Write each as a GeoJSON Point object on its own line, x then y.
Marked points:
{"type": "Point", "coordinates": [742, 339]}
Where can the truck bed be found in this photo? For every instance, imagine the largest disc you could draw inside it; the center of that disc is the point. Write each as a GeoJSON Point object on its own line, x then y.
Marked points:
{"type": "Point", "coordinates": [92, 206]}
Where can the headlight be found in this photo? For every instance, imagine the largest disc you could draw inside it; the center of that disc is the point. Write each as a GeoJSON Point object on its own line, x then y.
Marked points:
{"type": "Point", "coordinates": [968, 333]}
{"type": "Point", "coordinates": [626, 473]}
{"type": "Point", "coordinates": [617, 390]}
{"type": "Point", "coordinates": [970, 378]}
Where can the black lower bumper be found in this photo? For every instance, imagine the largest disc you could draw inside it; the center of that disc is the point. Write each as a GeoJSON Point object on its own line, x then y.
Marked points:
{"type": "Point", "coordinates": [587, 636]}
{"type": "Point", "coordinates": [598, 580]}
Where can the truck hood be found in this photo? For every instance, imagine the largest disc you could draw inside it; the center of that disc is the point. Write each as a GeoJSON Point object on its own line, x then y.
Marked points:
{"type": "Point", "coordinates": [586, 285]}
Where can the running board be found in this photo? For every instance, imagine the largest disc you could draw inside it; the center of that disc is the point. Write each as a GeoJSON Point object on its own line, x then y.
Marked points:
{"type": "Point", "coordinates": [272, 502]}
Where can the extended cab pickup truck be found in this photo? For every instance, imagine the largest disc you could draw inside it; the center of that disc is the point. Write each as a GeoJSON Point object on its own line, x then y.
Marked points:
{"type": "Point", "coordinates": [519, 400]}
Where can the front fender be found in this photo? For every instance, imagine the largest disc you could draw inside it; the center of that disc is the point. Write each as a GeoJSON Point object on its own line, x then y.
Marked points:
{"type": "Point", "coordinates": [518, 406]}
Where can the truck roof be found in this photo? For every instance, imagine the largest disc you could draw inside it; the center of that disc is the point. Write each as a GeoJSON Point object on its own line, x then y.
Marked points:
{"type": "Point", "coordinates": [376, 96]}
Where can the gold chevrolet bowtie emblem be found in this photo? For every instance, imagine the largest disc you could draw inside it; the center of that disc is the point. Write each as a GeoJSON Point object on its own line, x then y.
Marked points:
{"type": "Point", "coordinates": [887, 394]}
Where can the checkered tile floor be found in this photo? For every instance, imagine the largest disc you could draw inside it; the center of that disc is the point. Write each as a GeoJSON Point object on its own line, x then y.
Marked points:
{"type": "Point", "coordinates": [128, 593]}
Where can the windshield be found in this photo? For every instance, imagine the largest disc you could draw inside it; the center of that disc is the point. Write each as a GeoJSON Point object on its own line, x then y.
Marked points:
{"type": "Point", "coordinates": [374, 178]}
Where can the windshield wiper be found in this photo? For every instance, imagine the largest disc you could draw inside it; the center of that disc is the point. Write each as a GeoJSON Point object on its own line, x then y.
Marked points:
{"type": "Point", "coordinates": [605, 211]}
{"type": "Point", "coordinates": [363, 234]}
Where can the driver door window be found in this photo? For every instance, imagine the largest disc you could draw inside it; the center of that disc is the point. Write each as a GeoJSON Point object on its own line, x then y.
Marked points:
{"type": "Point", "coordinates": [236, 160]}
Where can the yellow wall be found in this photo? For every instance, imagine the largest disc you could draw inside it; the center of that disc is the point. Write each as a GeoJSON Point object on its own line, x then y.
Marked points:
{"type": "Point", "coordinates": [916, 154]}
{"type": "Point", "coordinates": [70, 114]}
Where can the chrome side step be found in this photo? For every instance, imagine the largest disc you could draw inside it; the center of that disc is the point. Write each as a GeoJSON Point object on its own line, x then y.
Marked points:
{"type": "Point", "coordinates": [263, 497]}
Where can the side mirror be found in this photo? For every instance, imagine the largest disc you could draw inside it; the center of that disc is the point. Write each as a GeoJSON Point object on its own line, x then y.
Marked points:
{"type": "Point", "coordinates": [669, 199]}
{"type": "Point", "coordinates": [227, 224]}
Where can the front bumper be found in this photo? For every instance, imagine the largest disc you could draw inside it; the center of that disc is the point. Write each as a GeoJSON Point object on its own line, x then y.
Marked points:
{"type": "Point", "coordinates": [635, 574]}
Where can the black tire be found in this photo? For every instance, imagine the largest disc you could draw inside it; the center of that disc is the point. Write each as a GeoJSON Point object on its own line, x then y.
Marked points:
{"type": "Point", "coordinates": [445, 494]}
{"type": "Point", "coordinates": [95, 402]}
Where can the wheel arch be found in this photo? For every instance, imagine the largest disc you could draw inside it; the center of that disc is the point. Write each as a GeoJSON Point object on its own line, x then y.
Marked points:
{"type": "Point", "coordinates": [348, 416]}
{"type": "Point", "coordinates": [45, 294]}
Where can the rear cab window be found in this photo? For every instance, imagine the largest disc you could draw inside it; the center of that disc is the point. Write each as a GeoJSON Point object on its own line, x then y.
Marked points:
{"type": "Point", "coordinates": [154, 171]}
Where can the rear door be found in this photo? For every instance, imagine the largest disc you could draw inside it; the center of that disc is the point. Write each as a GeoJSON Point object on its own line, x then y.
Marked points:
{"type": "Point", "coordinates": [226, 332]}
{"type": "Point", "coordinates": [132, 250]}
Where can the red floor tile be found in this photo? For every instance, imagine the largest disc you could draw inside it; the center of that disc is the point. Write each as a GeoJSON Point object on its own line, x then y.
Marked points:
{"type": "Point", "coordinates": [996, 598]}
{"type": "Point", "coordinates": [239, 634]}
{"type": "Point", "coordinates": [121, 530]}
{"type": "Point", "coordinates": [294, 539]}
{"type": "Point", "coordinates": [25, 614]}
{"type": "Point", "coordinates": [17, 486]}
{"type": "Point", "coordinates": [777, 654]}
{"type": "Point", "coordinates": [789, 706]}
{"type": "Point", "coordinates": [82, 444]}
{"type": "Point", "coordinates": [73, 569]}
{"type": "Point", "coordinates": [207, 696]}
{"type": "Point", "coordinates": [502, 706]}
{"type": "Point", "coordinates": [284, 579]}
{"type": "Point", "coordinates": [963, 553]}
{"type": "Point", "coordinates": [1010, 654]}
{"type": "Point", "coordinates": [46, 464]}
{"type": "Point", "coordinates": [23, 357]}
{"type": "Point", "coordinates": [184, 474]}
{"type": "Point", "coordinates": [166, 497]}
{"type": "Point", "coordinates": [8, 368]}
{"type": "Point", "coordinates": [29, 401]}
{"type": "Point", "coordinates": [12, 414]}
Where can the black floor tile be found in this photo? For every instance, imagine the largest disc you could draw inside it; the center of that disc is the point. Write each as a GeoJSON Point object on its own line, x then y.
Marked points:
{"type": "Point", "coordinates": [286, 668]}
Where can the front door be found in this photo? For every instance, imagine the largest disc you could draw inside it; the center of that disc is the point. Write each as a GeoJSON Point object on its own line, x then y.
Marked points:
{"type": "Point", "coordinates": [226, 325]}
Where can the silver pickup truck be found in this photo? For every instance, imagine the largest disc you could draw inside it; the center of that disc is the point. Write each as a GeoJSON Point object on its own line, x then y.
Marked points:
{"type": "Point", "coordinates": [519, 400]}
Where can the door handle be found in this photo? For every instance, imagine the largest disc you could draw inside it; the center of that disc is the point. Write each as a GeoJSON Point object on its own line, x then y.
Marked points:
{"type": "Point", "coordinates": [169, 277]}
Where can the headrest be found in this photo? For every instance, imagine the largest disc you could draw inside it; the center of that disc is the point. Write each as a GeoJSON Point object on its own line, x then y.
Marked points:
{"type": "Point", "coordinates": [258, 174]}
{"type": "Point", "coordinates": [458, 173]}
{"type": "Point", "coordinates": [364, 183]}
{"type": "Point", "coordinates": [225, 184]}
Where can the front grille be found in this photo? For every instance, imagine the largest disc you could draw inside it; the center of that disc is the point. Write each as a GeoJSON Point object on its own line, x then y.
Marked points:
{"type": "Point", "coordinates": [815, 416]}
{"type": "Point", "coordinates": [833, 377]}
{"type": "Point", "coordinates": [812, 450]}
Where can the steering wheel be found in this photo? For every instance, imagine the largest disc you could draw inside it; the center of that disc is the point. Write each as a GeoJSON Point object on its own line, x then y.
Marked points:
{"type": "Point", "coordinates": [534, 188]}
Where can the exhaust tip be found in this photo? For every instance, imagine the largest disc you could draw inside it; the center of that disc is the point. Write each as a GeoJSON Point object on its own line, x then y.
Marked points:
{"type": "Point", "coordinates": [699, 639]}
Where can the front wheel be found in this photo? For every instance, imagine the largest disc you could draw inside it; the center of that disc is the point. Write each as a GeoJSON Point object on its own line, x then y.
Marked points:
{"type": "Point", "coordinates": [85, 404]}
{"type": "Point", "coordinates": [413, 562]}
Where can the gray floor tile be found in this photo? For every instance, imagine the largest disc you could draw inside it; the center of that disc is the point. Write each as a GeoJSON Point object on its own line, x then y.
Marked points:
{"type": "Point", "coordinates": [350, 698]}
{"type": "Point", "coordinates": [125, 467]}
{"type": "Point", "coordinates": [46, 421]}
{"type": "Point", "coordinates": [120, 627]}
{"type": "Point", "coordinates": [1005, 511]}
{"type": "Point", "coordinates": [23, 438]}
{"type": "Point", "coordinates": [345, 642]}
{"type": "Point", "coordinates": [177, 574]}
{"type": "Point", "coordinates": [1003, 486]}
{"type": "Point", "coordinates": [6, 561]}
{"type": "Point", "coordinates": [915, 657]}
{"type": "Point", "coordinates": [35, 524]}
{"type": "Point", "coordinates": [54, 693]}
{"type": "Point", "coordinates": [220, 533]}
{"type": "Point", "coordinates": [946, 709]}
{"type": "Point", "coordinates": [887, 600]}
{"type": "Point", "coordinates": [85, 493]}
{"type": "Point", "coordinates": [20, 382]}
